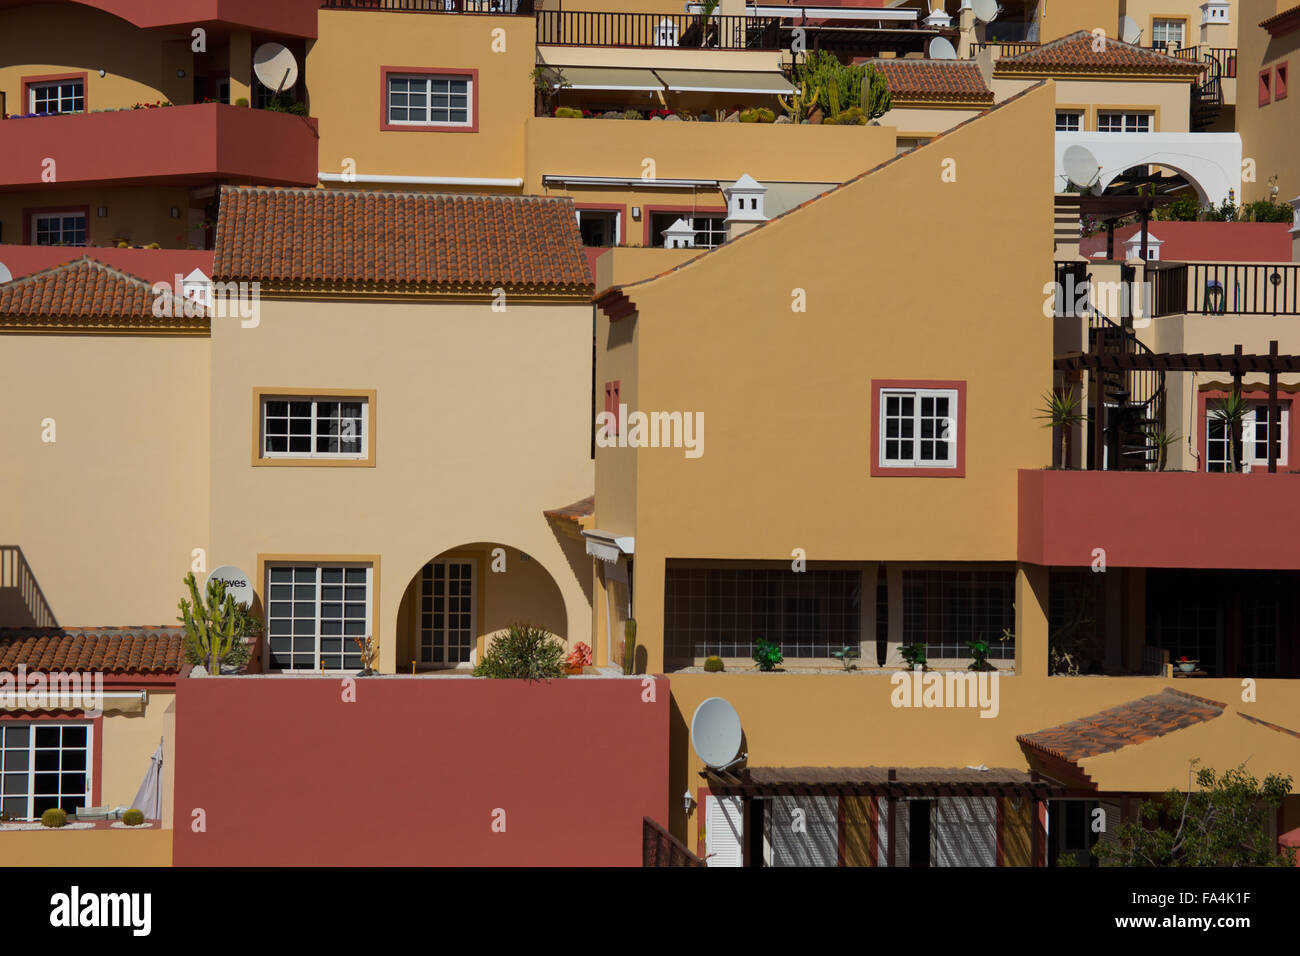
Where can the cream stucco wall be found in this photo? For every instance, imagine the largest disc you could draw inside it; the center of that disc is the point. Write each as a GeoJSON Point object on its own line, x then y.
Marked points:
{"type": "Point", "coordinates": [1268, 133]}
{"type": "Point", "coordinates": [107, 514]}
{"type": "Point", "coordinates": [482, 422]}
{"type": "Point", "coordinates": [1168, 100]}
{"type": "Point", "coordinates": [128, 746]}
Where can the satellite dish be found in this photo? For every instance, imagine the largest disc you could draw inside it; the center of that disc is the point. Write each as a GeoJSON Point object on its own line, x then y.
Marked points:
{"type": "Point", "coordinates": [715, 732]}
{"type": "Point", "coordinates": [941, 49]}
{"type": "Point", "coordinates": [1082, 167]}
{"type": "Point", "coordinates": [986, 11]}
{"type": "Point", "coordinates": [275, 66]}
{"type": "Point", "coordinates": [238, 585]}
{"type": "Point", "coordinates": [1129, 31]}
{"type": "Point", "coordinates": [5, 274]}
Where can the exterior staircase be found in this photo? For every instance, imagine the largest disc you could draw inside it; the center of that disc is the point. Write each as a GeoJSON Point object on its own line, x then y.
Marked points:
{"type": "Point", "coordinates": [1133, 400]}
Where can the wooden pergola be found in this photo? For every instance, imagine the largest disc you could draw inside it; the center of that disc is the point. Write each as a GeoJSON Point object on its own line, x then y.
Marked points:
{"type": "Point", "coordinates": [1110, 209]}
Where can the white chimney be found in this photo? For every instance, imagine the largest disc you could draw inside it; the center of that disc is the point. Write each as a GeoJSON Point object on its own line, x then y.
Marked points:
{"type": "Point", "coordinates": [680, 235]}
{"type": "Point", "coordinates": [745, 205]}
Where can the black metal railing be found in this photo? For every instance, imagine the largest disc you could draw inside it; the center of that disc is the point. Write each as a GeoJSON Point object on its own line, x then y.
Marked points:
{"type": "Point", "coordinates": [661, 848]}
{"type": "Point", "coordinates": [1168, 283]}
{"type": "Point", "coordinates": [1128, 413]}
{"type": "Point", "coordinates": [692, 31]}
{"type": "Point", "coordinates": [1004, 49]}
{"type": "Point", "coordinates": [1243, 288]}
{"type": "Point", "coordinates": [508, 7]}
{"type": "Point", "coordinates": [1223, 59]}
{"type": "Point", "coordinates": [16, 576]}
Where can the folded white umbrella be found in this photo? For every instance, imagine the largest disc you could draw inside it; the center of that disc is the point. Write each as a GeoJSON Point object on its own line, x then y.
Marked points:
{"type": "Point", "coordinates": [149, 798]}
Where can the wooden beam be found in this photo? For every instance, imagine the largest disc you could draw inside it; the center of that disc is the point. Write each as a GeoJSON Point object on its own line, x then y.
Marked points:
{"type": "Point", "coordinates": [1274, 414]}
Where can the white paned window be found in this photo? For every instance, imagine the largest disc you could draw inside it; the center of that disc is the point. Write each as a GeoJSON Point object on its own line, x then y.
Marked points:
{"type": "Point", "coordinates": [1117, 122]}
{"type": "Point", "coordinates": [59, 229]}
{"type": "Point", "coordinates": [44, 765]}
{"type": "Point", "coordinates": [314, 427]}
{"type": "Point", "coordinates": [448, 634]}
{"type": "Point", "coordinates": [1069, 121]}
{"type": "Point", "coordinates": [63, 96]}
{"type": "Point", "coordinates": [430, 100]}
{"type": "Point", "coordinates": [1165, 32]}
{"type": "Point", "coordinates": [1255, 436]}
{"type": "Point", "coordinates": [314, 613]}
{"type": "Point", "coordinates": [918, 428]}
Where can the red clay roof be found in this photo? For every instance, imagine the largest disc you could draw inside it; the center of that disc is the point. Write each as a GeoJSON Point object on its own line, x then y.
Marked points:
{"type": "Point", "coordinates": [114, 650]}
{"type": "Point", "coordinates": [151, 265]}
{"type": "Point", "coordinates": [1129, 723]}
{"type": "Point", "coordinates": [934, 80]}
{"type": "Point", "coordinates": [81, 289]}
{"type": "Point", "coordinates": [428, 241]}
{"type": "Point", "coordinates": [1204, 241]}
{"type": "Point", "coordinates": [1077, 53]}
{"type": "Point", "coordinates": [1282, 23]}
{"type": "Point", "coordinates": [576, 511]}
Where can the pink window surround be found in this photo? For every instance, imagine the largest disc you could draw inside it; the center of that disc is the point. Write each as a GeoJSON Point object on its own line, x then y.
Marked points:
{"type": "Point", "coordinates": [877, 471]}
{"type": "Point", "coordinates": [386, 71]}
{"type": "Point", "coordinates": [1281, 73]}
{"type": "Point", "coordinates": [609, 207]}
{"type": "Point", "coordinates": [1265, 81]}
{"type": "Point", "coordinates": [28, 82]}
{"type": "Point", "coordinates": [1285, 401]}
{"type": "Point", "coordinates": [96, 724]}
{"type": "Point", "coordinates": [30, 213]}
{"type": "Point", "coordinates": [648, 211]}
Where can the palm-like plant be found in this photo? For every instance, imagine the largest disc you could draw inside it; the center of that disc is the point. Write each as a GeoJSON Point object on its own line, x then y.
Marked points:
{"type": "Point", "coordinates": [1161, 439]}
{"type": "Point", "coordinates": [1231, 412]}
{"type": "Point", "coordinates": [1062, 410]}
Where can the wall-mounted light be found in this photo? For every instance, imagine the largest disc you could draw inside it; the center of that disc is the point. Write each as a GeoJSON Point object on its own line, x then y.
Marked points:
{"type": "Point", "coordinates": [102, 212]}
{"type": "Point", "coordinates": [688, 803]}
{"type": "Point", "coordinates": [636, 212]}
{"type": "Point", "coordinates": [180, 74]}
{"type": "Point", "coordinates": [103, 72]}
{"type": "Point", "coordinates": [176, 212]}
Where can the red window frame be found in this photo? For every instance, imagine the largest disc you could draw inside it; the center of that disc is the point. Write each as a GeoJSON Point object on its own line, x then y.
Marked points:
{"type": "Point", "coordinates": [386, 71]}
{"type": "Point", "coordinates": [877, 470]}
{"type": "Point", "coordinates": [1287, 402]}
{"type": "Point", "coordinates": [32, 211]}
{"type": "Point", "coordinates": [28, 82]}
{"type": "Point", "coordinates": [608, 207]}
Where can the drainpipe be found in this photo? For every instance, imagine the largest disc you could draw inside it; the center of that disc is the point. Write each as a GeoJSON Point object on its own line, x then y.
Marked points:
{"type": "Point", "coordinates": [1193, 424]}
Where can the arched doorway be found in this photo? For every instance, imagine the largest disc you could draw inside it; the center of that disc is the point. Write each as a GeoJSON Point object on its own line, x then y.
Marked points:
{"type": "Point", "coordinates": [458, 600]}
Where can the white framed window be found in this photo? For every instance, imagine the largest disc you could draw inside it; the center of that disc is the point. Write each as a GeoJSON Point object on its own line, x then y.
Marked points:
{"type": "Point", "coordinates": [1114, 121]}
{"type": "Point", "coordinates": [918, 428]}
{"type": "Point", "coordinates": [59, 229]}
{"type": "Point", "coordinates": [1069, 121]}
{"type": "Point", "coordinates": [1168, 32]}
{"type": "Point", "coordinates": [600, 228]}
{"type": "Point", "coordinates": [448, 604]}
{"type": "Point", "coordinates": [1255, 435]}
{"type": "Point", "coordinates": [710, 231]}
{"type": "Point", "coordinates": [304, 427]}
{"type": "Point", "coordinates": [44, 764]}
{"type": "Point", "coordinates": [315, 612]}
{"type": "Point", "coordinates": [428, 99]}
{"type": "Point", "coordinates": [60, 96]}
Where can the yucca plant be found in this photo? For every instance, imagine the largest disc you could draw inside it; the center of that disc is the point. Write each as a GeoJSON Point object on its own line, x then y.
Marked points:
{"type": "Point", "coordinates": [1062, 410]}
{"type": "Point", "coordinates": [1231, 412]}
{"type": "Point", "coordinates": [1161, 439]}
{"type": "Point", "coordinates": [523, 652]}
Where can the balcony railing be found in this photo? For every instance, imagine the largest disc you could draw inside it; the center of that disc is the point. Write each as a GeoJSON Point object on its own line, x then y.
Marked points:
{"type": "Point", "coordinates": [1239, 288]}
{"type": "Point", "coordinates": [1223, 60]}
{"type": "Point", "coordinates": [508, 7]}
{"type": "Point", "coordinates": [1004, 49]}
{"type": "Point", "coordinates": [657, 30]}
{"type": "Point", "coordinates": [16, 578]}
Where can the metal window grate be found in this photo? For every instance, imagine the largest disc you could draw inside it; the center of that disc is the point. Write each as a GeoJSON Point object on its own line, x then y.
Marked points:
{"type": "Point", "coordinates": [946, 609]}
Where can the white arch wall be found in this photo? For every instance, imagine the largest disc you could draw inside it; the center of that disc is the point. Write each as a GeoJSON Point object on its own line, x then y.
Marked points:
{"type": "Point", "coordinates": [1210, 161]}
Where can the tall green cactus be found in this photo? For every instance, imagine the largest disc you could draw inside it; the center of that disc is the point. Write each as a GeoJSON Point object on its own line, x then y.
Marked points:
{"type": "Point", "coordinates": [800, 104]}
{"type": "Point", "coordinates": [876, 99]}
{"type": "Point", "coordinates": [629, 647]}
{"type": "Point", "coordinates": [214, 629]}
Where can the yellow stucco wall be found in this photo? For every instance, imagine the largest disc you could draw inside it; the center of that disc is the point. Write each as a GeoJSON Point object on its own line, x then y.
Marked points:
{"type": "Point", "coordinates": [50, 39]}
{"type": "Point", "coordinates": [1268, 133]}
{"type": "Point", "coordinates": [108, 513]}
{"type": "Point", "coordinates": [482, 423]}
{"type": "Point", "coordinates": [1167, 100]}
{"type": "Point", "coordinates": [129, 743]}
{"type": "Point", "coordinates": [1061, 19]}
{"type": "Point", "coordinates": [344, 70]}
{"type": "Point", "coordinates": [79, 848]}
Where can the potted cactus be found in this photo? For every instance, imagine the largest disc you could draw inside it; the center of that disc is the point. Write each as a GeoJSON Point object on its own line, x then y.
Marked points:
{"type": "Point", "coordinates": [216, 628]}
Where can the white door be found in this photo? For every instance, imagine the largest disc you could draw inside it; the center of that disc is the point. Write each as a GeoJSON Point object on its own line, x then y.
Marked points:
{"type": "Point", "coordinates": [722, 831]}
{"type": "Point", "coordinates": [447, 617]}
{"type": "Point", "coordinates": [802, 831]}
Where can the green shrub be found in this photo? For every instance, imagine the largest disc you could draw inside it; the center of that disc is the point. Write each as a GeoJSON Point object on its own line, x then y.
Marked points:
{"type": "Point", "coordinates": [568, 112]}
{"type": "Point", "coordinates": [242, 101]}
{"type": "Point", "coordinates": [713, 664]}
{"type": "Point", "coordinates": [632, 114]}
{"type": "Point", "coordinates": [133, 818]}
{"type": "Point", "coordinates": [767, 655]}
{"type": "Point", "coordinates": [1265, 210]}
{"type": "Point", "coordinates": [54, 818]}
{"type": "Point", "coordinates": [524, 652]}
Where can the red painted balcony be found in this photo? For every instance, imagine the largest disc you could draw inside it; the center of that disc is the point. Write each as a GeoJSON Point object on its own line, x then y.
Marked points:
{"type": "Point", "coordinates": [177, 145]}
{"type": "Point", "coordinates": [285, 17]}
{"type": "Point", "coordinates": [1160, 519]}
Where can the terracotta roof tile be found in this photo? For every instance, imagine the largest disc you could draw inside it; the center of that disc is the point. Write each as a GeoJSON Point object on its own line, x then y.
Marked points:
{"type": "Point", "coordinates": [576, 511]}
{"type": "Point", "coordinates": [114, 650]}
{"type": "Point", "coordinates": [1282, 23]}
{"type": "Point", "coordinates": [429, 241]}
{"type": "Point", "coordinates": [1129, 723]}
{"type": "Point", "coordinates": [81, 289]}
{"type": "Point", "coordinates": [1077, 53]}
{"type": "Point", "coordinates": [910, 80]}
{"type": "Point", "coordinates": [1264, 723]}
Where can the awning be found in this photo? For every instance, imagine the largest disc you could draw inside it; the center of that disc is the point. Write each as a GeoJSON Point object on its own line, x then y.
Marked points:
{"type": "Point", "coordinates": [607, 546]}
{"type": "Point", "coordinates": [896, 782]}
{"type": "Point", "coordinates": [723, 81]}
{"type": "Point", "coordinates": [109, 702]}
{"type": "Point", "coordinates": [608, 78]}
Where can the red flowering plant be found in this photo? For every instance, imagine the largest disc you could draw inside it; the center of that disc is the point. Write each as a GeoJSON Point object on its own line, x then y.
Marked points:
{"type": "Point", "coordinates": [580, 656]}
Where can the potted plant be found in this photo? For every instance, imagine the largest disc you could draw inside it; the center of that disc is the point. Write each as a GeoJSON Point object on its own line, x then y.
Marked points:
{"type": "Point", "coordinates": [979, 651]}
{"type": "Point", "coordinates": [1187, 664]}
{"type": "Point", "coordinates": [578, 658]}
{"type": "Point", "coordinates": [846, 655]}
{"type": "Point", "coordinates": [767, 655]}
{"type": "Point", "coordinates": [1062, 410]}
{"type": "Point", "coordinates": [914, 656]}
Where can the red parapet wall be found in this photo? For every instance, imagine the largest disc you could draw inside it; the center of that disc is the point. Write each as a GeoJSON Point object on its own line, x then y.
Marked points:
{"type": "Point", "coordinates": [417, 770]}
{"type": "Point", "coordinates": [288, 17]}
{"type": "Point", "coordinates": [1160, 519]}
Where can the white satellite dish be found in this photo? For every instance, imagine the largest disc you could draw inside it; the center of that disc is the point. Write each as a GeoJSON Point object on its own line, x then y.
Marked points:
{"type": "Point", "coordinates": [1129, 31]}
{"type": "Point", "coordinates": [986, 11]}
{"type": "Point", "coordinates": [715, 732]}
{"type": "Point", "coordinates": [1082, 167]}
{"type": "Point", "coordinates": [275, 66]}
{"type": "Point", "coordinates": [5, 274]}
{"type": "Point", "coordinates": [941, 49]}
{"type": "Point", "coordinates": [238, 584]}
